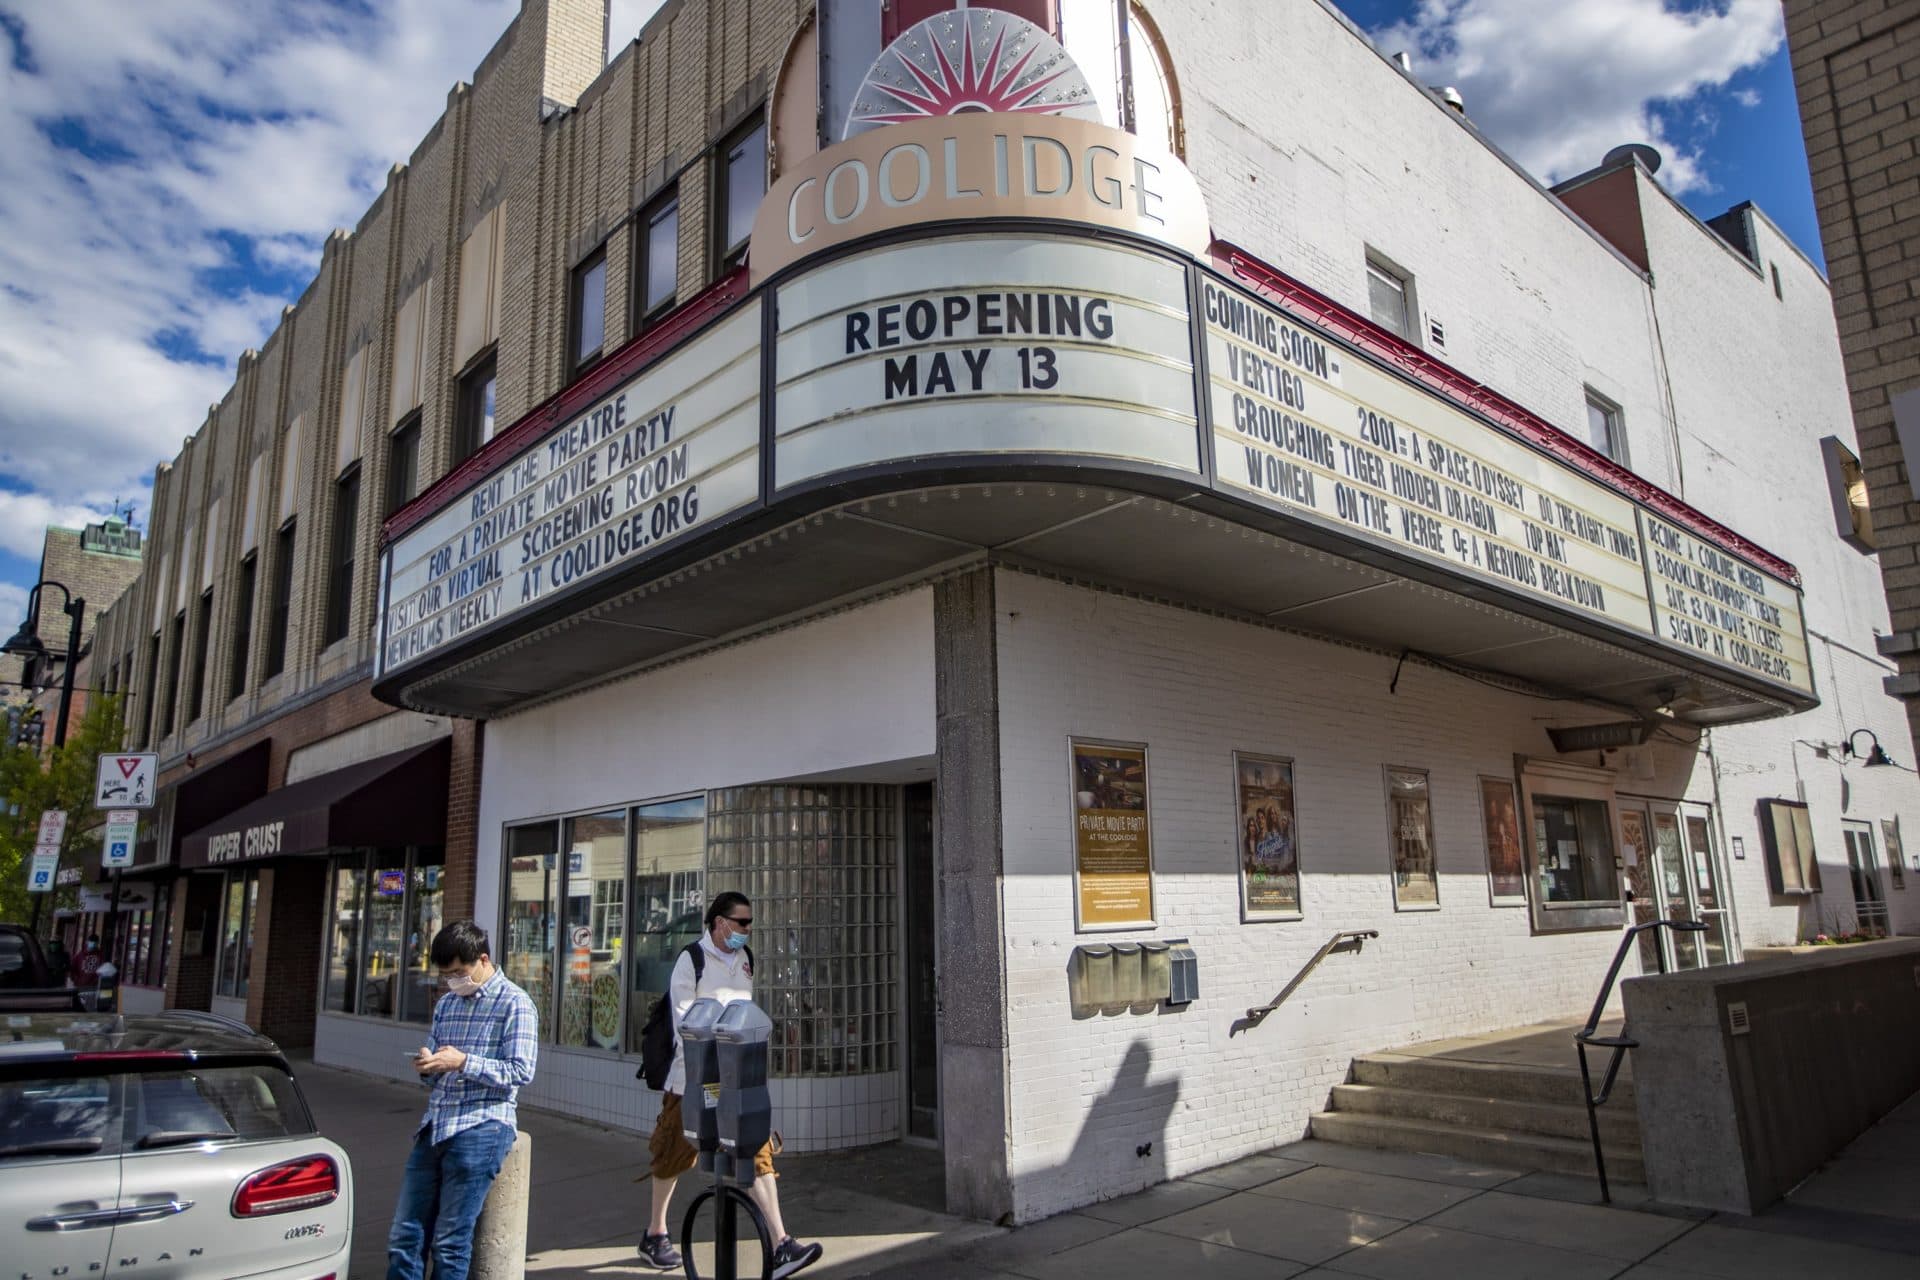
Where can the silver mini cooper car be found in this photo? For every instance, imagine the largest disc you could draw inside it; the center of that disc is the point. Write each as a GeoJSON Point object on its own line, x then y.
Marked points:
{"type": "Point", "coordinates": [157, 1147]}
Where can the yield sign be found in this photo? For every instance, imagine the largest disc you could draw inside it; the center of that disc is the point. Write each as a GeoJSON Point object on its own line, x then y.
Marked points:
{"type": "Point", "coordinates": [125, 781]}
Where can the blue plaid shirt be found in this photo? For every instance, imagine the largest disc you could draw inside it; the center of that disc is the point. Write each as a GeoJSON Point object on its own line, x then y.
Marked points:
{"type": "Point", "coordinates": [499, 1032]}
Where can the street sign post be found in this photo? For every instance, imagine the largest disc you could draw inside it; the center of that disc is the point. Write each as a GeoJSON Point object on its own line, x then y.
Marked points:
{"type": "Point", "coordinates": [123, 827]}
{"type": "Point", "coordinates": [40, 875]}
{"type": "Point", "coordinates": [53, 826]}
{"type": "Point", "coordinates": [125, 781]}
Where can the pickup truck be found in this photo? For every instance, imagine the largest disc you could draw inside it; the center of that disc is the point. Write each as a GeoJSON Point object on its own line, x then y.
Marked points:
{"type": "Point", "coordinates": [25, 984]}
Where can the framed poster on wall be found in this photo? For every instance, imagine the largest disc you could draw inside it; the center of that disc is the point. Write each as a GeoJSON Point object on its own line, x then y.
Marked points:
{"type": "Point", "coordinates": [1112, 835]}
{"type": "Point", "coordinates": [1416, 881]}
{"type": "Point", "coordinates": [1266, 837]}
{"type": "Point", "coordinates": [1506, 860]}
{"type": "Point", "coordinates": [1896, 860]}
{"type": "Point", "coordinates": [1792, 865]}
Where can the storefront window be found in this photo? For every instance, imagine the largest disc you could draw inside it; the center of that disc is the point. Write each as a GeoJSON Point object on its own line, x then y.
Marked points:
{"type": "Point", "coordinates": [236, 933]}
{"type": "Point", "coordinates": [343, 947]}
{"type": "Point", "coordinates": [385, 909]}
{"type": "Point", "coordinates": [669, 897]}
{"type": "Point", "coordinates": [533, 887]}
{"type": "Point", "coordinates": [1574, 850]}
{"type": "Point", "coordinates": [821, 865]}
{"type": "Point", "coordinates": [594, 927]}
{"type": "Point", "coordinates": [425, 915]}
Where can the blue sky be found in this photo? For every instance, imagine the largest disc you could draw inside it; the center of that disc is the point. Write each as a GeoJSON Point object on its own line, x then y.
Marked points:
{"type": "Point", "coordinates": [169, 169]}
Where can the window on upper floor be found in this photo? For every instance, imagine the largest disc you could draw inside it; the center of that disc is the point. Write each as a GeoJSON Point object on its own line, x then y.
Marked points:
{"type": "Point", "coordinates": [153, 691]}
{"type": "Point", "coordinates": [1390, 297]}
{"type": "Point", "coordinates": [280, 604]}
{"type": "Point", "coordinates": [177, 643]}
{"type": "Point", "coordinates": [346, 515]}
{"type": "Point", "coordinates": [1847, 491]}
{"type": "Point", "coordinates": [587, 324]}
{"type": "Point", "coordinates": [403, 462]}
{"type": "Point", "coordinates": [742, 183]}
{"type": "Point", "coordinates": [1603, 426]}
{"type": "Point", "coordinates": [473, 425]}
{"type": "Point", "coordinates": [242, 627]}
{"type": "Point", "coordinates": [656, 258]}
{"type": "Point", "coordinates": [202, 635]}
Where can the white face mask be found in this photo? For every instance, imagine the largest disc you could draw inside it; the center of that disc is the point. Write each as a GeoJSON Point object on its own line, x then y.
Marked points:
{"type": "Point", "coordinates": [463, 985]}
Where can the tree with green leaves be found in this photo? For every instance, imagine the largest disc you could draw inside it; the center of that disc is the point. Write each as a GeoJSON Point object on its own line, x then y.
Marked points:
{"type": "Point", "coordinates": [32, 782]}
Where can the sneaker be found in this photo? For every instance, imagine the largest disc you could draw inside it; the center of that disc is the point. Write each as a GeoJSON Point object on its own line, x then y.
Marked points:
{"type": "Point", "coordinates": [790, 1256]}
{"type": "Point", "coordinates": [658, 1252]}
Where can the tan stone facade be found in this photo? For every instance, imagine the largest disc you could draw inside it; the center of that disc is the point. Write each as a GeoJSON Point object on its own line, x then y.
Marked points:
{"type": "Point", "coordinates": [465, 257]}
{"type": "Point", "coordinates": [1857, 64]}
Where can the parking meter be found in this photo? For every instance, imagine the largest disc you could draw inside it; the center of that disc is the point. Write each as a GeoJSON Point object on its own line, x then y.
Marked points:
{"type": "Point", "coordinates": [699, 1104]}
{"type": "Point", "coordinates": [746, 1110]}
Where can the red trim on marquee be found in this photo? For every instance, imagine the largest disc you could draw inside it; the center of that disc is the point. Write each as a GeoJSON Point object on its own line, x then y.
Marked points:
{"type": "Point", "coordinates": [1319, 310]}
{"type": "Point", "coordinates": [902, 15]}
{"type": "Point", "coordinates": [604, 377]}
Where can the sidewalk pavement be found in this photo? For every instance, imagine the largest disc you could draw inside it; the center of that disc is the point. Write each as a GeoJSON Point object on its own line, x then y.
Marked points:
{"type": "Point", "coordinates": [1309, 1209]}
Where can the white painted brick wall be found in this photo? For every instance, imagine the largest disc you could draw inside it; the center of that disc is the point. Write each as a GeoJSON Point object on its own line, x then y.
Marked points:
{"type": "Point", "coordinates": [1086, 1093]}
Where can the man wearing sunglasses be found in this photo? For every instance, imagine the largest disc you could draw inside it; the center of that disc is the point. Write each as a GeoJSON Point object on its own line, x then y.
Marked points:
{"type": "Point", "coordinates": [725, 974]}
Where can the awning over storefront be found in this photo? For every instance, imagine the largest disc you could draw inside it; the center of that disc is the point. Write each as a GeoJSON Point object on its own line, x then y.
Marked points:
{"type": "Point", "coordinates": [397, 799]}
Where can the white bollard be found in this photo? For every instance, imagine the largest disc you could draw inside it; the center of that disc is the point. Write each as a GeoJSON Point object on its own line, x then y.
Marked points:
{"type": "Point", "coordinates": [500, 1236]}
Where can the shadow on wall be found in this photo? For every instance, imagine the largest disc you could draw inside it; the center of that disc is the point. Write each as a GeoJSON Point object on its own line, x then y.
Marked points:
{"type": "Point", "coordinates": [1124, 1132]}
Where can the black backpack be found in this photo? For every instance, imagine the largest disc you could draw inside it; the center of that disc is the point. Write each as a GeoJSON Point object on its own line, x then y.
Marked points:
{"type": "Point", "coordinates": [656, 1037]}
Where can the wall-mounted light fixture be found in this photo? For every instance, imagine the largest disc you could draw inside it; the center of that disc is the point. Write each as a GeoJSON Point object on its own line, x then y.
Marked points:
{"type": "Point", "coordinates": [1874, 757]}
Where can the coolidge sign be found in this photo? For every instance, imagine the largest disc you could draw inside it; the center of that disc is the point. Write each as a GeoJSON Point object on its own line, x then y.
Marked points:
{"type": "Point", "coordinates": [974, 349]}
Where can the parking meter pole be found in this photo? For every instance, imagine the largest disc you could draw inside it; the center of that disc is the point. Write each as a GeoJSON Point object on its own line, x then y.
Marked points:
{"type": "Point", "coordinates": [735, 1120]}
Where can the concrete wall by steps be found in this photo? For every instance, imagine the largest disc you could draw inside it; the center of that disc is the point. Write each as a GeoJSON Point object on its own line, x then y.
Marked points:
{"type": "Point", "coordinates": [1733, 1122]}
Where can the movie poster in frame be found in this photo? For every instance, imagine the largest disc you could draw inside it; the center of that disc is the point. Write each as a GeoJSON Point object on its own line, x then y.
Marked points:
{"type": "Point", "coordinates": [1112, 835]}
{"type": "Point", "coordinates": [1506, 857]}
{"type": "Point", "coordinates": [1266, 837]}
{"type": "Point", "coordinates": [1410, 852]}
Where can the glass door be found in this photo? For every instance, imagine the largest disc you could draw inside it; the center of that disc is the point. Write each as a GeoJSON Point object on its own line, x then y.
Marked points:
{"type": "Point", "coordinates": [1710, 906]}
{"type": "Point", "coordinates": [1673, 883]}
{"type": "Point", "coordinates": [1869, 898]}
{"type": "Point", "coordinates": [1636, 853]}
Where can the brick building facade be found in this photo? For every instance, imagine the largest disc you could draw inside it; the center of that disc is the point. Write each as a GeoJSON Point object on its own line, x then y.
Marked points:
{"type": "Point", "coordinates": [1857, 66]}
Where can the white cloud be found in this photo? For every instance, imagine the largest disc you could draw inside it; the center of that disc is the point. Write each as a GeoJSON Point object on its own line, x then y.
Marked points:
{"type": "Point", "coordinates": [1748, 98]}
{"type": "Point", "coordinates": [147, 152]}
{"type": "Point", "coordinates": [13, 611]}
{"type": "Point", "coordinates": [24, 518]}
{"type": "Point", "coordinates": [624, 20]}
{"type": "Point", "coordinates": [1558, 85]}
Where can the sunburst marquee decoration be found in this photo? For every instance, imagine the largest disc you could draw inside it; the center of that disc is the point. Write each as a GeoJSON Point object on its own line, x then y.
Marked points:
{"type": "Point", "coordinates": [970, 60]}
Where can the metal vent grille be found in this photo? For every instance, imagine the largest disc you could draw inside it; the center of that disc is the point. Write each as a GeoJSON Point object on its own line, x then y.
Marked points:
{"type": "Point", "coordinates": [1738, 1023]}
{"type": "Point", "coordinates": [1436, 333]}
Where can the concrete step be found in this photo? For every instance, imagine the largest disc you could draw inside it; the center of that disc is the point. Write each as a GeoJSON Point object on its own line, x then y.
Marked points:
{"type": "Point", "coordinates": [1559, 1086]}
{"type": "Point", "coordinates": [1482, 1146]}
{"type": "Point", "coordinates": [1619, 1125]}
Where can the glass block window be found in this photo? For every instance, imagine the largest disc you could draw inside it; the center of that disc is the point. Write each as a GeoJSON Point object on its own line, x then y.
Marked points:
{"type": "Point", "coordinates": [821, 866]}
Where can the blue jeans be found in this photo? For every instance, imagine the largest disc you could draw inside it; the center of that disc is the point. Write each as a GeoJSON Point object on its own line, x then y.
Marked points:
{"type": "Point", "coordinates": [440, 1197]}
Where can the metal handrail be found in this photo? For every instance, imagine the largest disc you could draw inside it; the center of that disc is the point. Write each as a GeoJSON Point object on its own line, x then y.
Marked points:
{"type": "Point", "coordinates": [1586, 1038]}
{"type": "Point", "coordinates": [1351, 940]}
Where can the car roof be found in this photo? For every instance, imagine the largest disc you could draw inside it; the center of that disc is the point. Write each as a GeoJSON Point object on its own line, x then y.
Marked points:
{"type": "Point", "coordinates": [185, 1032]}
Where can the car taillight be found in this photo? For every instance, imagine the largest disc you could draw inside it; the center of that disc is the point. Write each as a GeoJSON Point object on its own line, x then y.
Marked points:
{"type": "Point", "coordinates": [283, 1188]}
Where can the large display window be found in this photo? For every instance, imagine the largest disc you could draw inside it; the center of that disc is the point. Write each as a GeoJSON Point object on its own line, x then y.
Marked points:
{"type": "Point", "coordinates": [1573, 860]}
{"type": "Point", "coordinates": [597, 907]}
{"type": "Point", "coordinates": [384, 906]}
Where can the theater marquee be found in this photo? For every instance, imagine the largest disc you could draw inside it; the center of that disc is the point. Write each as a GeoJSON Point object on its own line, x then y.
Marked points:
{"type": "Point", "coordinates": [980, 296]}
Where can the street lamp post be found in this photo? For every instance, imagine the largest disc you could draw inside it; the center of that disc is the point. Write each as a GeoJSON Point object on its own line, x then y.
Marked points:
{"type": "Point", "coordinates": [26, 643]}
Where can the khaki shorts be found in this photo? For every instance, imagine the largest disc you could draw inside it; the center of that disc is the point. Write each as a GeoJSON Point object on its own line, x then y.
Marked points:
{"type": "Point", "coordinates": [673, 1155]}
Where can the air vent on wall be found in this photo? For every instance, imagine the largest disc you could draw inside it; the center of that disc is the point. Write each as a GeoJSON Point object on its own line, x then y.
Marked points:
{"type": "Point", "coordinates": [1737, 1021]}
{"type": "Point", "coordinates": [1436, 334]}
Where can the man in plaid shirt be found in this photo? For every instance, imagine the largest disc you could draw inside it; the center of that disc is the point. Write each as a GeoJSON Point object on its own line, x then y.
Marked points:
{"type": "Point", "coordinates": [480, 1051]}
